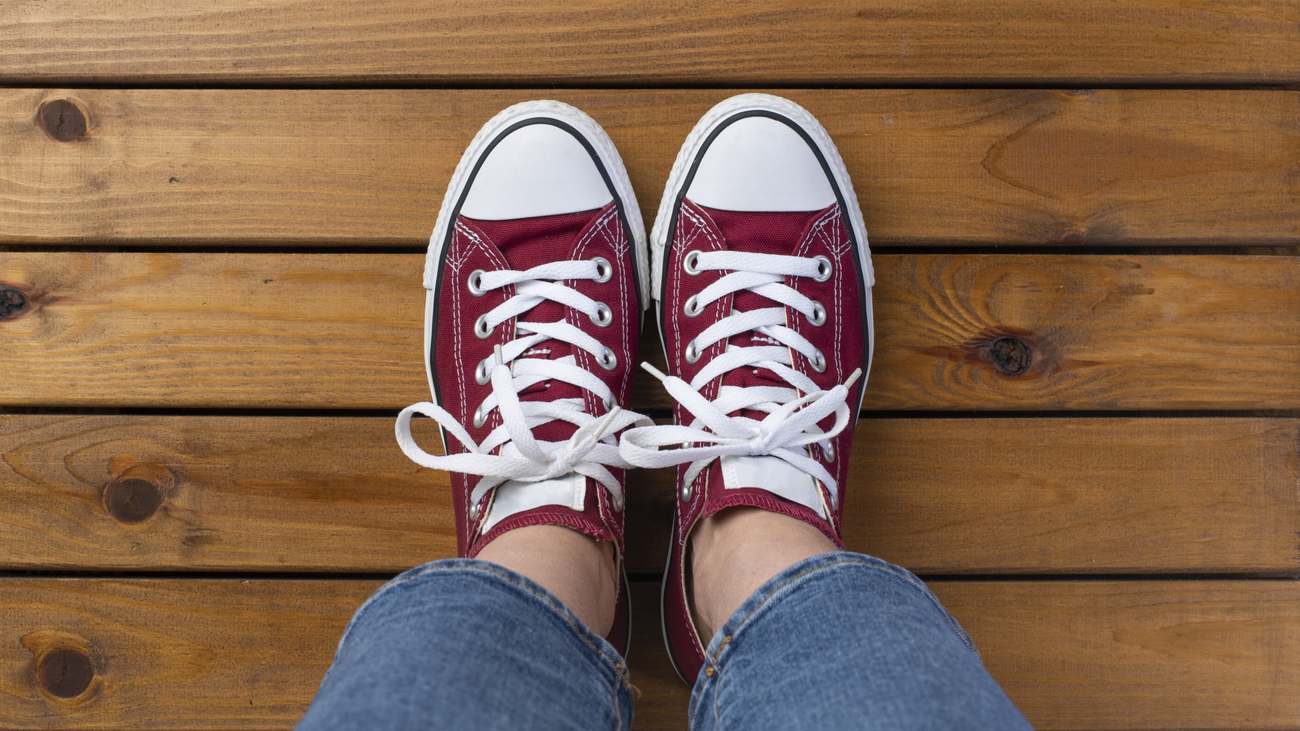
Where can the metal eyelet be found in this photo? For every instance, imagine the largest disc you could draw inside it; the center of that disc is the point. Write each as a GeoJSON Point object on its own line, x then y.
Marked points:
{"type": "Point", "coordinates": [480, 417]}
{"type": "Point", "coordinates": [824, 268]}
{"type": "Point", "coordinates": [818, 362]}
{"type": "Point", "coordinates": [692, 352]}
{"type": "Point", "coordinates": [607, 359]}
{"type": "Point", "coordinates": [481, 327]}
{"type": "Point", "coordinates": [691, 262]}
{"type": "Point", "coordinates": [818, 316]}
{"type": "Point", "coordinates": [474, 511]}
{"type": "Point", "coordinates": [603, 269]}
{"type": "Point", "coordinates": [829, 451]}
{"type": "Point", "coordinates": [475, 283]}
{"type": "Point", "coordinates": [692, 306]}
{"type": "Point", "coordinates": [482, 374]}
{"type": "Point", "coordinates": [603, 315]}
{"type": "Point", "coordinates": [686, 493]}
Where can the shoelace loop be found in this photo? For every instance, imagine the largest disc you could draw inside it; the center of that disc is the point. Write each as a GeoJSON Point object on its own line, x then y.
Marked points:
{"type": "Point", "coordinates": [511, 451]}
{"type": "Point", "coordinates": [793, 413]}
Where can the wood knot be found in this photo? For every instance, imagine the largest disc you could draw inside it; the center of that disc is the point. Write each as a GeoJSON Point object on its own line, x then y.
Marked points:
{"type": "Point", "coordinates": [12, 302]}
{"type": "Point", "coordinates": [137, 492]}
{"type": "Point", "coordinates": [62, 120]}
{"type": "Point", "coordinates": [1010, 355]}
{"type": "Point", "coordinates": [132, 500]}
{"type": "Point", "coordinates": [65, 672]}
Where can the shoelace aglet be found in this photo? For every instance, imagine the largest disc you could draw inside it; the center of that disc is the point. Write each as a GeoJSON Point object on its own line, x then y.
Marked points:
{"type": "Point", "coordinates": [853, 378]}
{"type": "Point", "coordinates": [498, 358]}
{"type": "Point", "coordinates": [605, 421]}
{"type": "Point", "coordinates": [653, 371]}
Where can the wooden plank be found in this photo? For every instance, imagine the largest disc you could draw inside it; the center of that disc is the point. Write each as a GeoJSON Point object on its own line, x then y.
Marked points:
{"type": "Point", "coordinates": [173, 654]}
{"type": "Point", "coordinates": [1130, 655]}
{"type": "Point", "coordinates": [934, 166]}
{"type": "Point", "coordinates": [273, 330]}
{"type": "Point", "coordinates": [195, 492]}
{"type": "Point", "coordinates": [661, 42]}
{"type": "Point", "coordinates": [942, 496]}
{"type": "Point", "coordinates": [237, 654]}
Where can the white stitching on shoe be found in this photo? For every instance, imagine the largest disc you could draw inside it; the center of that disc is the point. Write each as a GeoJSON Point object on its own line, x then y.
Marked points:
{"type": "Point", "coordinates": [679, 254]}
{"type": "Point", "coordinates": [582, 357]}
{"type": "Point", "coordinates": [722, 424]}
{"type": "Point", "coordinates": [590, 451]}
{"type": "Point", "coordinates": [818, 231]}
{"type": "Point", "coordinates": [723, 305]}
{"type": "Point", "coordinates": [493, 253]}
{"type": "Point", "coordinates": [501, 336]}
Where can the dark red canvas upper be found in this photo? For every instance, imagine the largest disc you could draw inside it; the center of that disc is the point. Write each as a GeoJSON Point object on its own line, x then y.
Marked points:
{"type": "Point", "coordinates": [841, 338]}
{"type": "Point", "coordinates": [521, 244]}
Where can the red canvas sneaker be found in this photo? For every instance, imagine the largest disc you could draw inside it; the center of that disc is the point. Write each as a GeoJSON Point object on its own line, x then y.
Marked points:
{"type": "Point", "coordinates": [536, 277]}
{"type": "Point", "coordinates": [763, 279]}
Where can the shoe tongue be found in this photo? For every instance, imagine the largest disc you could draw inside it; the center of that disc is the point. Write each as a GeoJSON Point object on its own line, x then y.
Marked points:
{"type": "Point", "coordinates": [774, 476]}
{"type": "Point", "coordinates": [530, 242]}
{"type": "Point", "coordinates": [778, 232]}
{"type": "Point", "coordinates": [517, 498]}
{"type": "Point", "coordinates": [569, 501]}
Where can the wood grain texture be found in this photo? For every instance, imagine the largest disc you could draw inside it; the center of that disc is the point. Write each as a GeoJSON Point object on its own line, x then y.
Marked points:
{"type": "Point", "coordinates": [939, 496]}
{"type": "Point", "coordinates": [182, 654]}
{"type": "Point", "coordinates": [661, 42]}
{"type": "Point", "coordinates": [934, 166]}
{"type": "Point", "coordinates": [1128, 655]}
{"type": "Point", "coordinates": [273, 330]}
{"type": "Point", "coordinates": [240, 654]}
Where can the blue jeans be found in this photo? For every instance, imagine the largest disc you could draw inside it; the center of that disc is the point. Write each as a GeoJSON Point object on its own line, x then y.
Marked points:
{"type": "Point", "coordinates": [839, 641]}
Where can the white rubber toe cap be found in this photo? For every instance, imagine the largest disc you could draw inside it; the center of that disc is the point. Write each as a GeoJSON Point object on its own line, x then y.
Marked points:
{"type": "Point", "coordinates": [537, 169]}
{"type": "Point", "coordinates": [760, 164]}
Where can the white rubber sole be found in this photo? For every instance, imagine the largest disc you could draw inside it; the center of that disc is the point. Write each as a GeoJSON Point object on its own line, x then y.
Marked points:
{"type": "Point", "coordinates": [721, 114]}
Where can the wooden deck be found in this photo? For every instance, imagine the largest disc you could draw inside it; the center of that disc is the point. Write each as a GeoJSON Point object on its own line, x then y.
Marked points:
{"type": "Point", "coordinates": [1083, 424]}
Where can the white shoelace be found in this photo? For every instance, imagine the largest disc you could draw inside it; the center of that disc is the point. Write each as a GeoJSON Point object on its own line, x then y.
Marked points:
{"type": "Point", "coordinates": [792, 414]}
{"type": "Point", "coordinates": [593, 447]}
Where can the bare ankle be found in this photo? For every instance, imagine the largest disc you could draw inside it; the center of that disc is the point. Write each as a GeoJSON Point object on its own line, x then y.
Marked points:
{"type": "Point", "coordinates": [579, 571]}
{"type": "Point", "coordinates": [734, 552]}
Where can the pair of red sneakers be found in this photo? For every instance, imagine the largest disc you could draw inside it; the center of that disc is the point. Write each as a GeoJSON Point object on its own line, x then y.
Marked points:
{"type": "Point", "coordinates": [537, 275]}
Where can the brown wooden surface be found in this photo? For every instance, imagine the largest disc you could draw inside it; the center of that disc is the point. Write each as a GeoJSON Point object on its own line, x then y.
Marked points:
{"type": "Point", "coordinates": [931, 166]}
{"type": "Point", "coordinates": [1188, 519]}
{"type": "Point", "coordinates": [283, 330]}
{"type": "Point", "coordinates": [1134, 654]}
{"type": "Point", "coordinates": [242, 654]}
{"type": "Point", "coordinates": [936, 495]}
{"type": "Point", "coordinates": [842, 41]}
